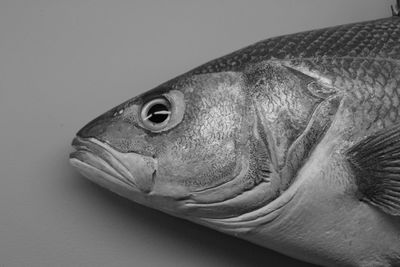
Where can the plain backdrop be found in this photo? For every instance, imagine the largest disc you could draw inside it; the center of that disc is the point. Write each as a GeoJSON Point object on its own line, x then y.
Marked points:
{"type": "Point", "coordinates": [64, 62]}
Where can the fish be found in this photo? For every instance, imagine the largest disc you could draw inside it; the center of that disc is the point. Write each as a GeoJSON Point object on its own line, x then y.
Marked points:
{"type": "Point", "coordinates": [292, 143]}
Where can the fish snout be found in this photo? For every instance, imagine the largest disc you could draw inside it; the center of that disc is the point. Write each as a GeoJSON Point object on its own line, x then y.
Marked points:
{"type": "Point", "coordinates": [120, 132]}
{"type": "Point", "coordinates": [96, 127]}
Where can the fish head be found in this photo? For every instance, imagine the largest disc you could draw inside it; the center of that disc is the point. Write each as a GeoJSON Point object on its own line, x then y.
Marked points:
{"type": "Point", "coordinates": [210, 146]}
{"type": "Point", "coordinates": [172, 147]}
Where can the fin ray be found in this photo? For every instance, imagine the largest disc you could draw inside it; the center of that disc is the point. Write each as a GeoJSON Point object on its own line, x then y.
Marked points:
{"type": "Point", "coordinates": [375, 161]}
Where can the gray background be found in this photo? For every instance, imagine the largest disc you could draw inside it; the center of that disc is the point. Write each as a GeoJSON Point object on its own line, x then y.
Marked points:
{"type": "Point", "coordinates": [64, 62]}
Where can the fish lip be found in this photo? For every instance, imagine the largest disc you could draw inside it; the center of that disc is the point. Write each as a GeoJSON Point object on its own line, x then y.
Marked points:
{"type": "Point", "coordinates": [102, 159]}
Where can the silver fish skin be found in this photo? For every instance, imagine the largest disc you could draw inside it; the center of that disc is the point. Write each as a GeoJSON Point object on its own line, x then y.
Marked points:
{"type": "Point", "coordinates": [292, 143]}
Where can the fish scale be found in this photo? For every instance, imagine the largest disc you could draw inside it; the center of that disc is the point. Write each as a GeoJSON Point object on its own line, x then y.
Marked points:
{"type": "Point", "coordinates": [291, 143]}
{"type": "Point", "coordinates": [373, 84]}
{"type": "Point", "coordinates": [367, 39]}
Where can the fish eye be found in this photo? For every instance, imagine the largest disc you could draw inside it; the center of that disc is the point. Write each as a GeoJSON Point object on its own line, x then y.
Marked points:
{"type": "Point", "coordinates": [162, 113]}
{"type": "Point", "coordinates": [156, 113]}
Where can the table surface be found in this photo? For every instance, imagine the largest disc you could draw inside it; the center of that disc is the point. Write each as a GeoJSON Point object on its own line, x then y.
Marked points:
{"type": "Point", "coordinates": [64, 62]}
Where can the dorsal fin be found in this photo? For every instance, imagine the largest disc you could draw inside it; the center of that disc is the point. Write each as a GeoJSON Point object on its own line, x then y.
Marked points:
{"type": "Point", "coordinates": [375, 161]}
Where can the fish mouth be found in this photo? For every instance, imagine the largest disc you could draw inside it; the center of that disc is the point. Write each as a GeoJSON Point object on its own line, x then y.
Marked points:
{"type": "Point", "coordinates": [99, 162]}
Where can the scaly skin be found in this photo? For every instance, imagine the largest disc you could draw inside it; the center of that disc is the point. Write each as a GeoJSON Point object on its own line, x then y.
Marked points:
{"type": "Point", "coordinates": [260, 151]}
{"type": "Point", "coordinates": [378, 38]}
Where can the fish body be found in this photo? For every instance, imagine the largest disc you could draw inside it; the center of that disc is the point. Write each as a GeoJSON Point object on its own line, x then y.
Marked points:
{"type": "Point", "coordinates": [292, 143]}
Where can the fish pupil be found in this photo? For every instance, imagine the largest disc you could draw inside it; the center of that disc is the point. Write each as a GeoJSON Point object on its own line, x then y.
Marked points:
{"type": "Point", "coordinates": [158, 113]}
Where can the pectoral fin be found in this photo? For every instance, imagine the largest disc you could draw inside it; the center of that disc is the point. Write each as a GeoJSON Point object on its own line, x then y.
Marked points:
{"type": "Point", "coordinates": [375, 161]}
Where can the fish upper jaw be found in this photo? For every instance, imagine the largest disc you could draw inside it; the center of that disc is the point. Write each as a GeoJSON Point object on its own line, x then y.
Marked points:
{"type": "Point", "coordinates": [98, 160]}
{"type": "Point", "coordinates": [130, 175]}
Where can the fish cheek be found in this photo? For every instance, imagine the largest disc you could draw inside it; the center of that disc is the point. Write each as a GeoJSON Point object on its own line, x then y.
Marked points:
{"type": "Point", "coordinates": [195, 163]}
{"type": "Point", "coordinates": [202, 152]}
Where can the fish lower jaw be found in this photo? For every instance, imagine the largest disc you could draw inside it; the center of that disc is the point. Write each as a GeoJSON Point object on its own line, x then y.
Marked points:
{"type": "Point", "coordinates": [133, 170]}
{"type": "Point", "coordinates": [98, 174]}
{"type": "Point", "coordinates": [129, 175]}
{"type": "Point", "coordinates": [108, 181]}
{"type": "Point", "coordinates": [121, 188]}
{"type": "Point", "coordinates": [101, 163]}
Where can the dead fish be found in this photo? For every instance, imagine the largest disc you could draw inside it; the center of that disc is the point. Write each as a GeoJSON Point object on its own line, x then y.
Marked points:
{"type": "Point", "coordinates": [292, 143]}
